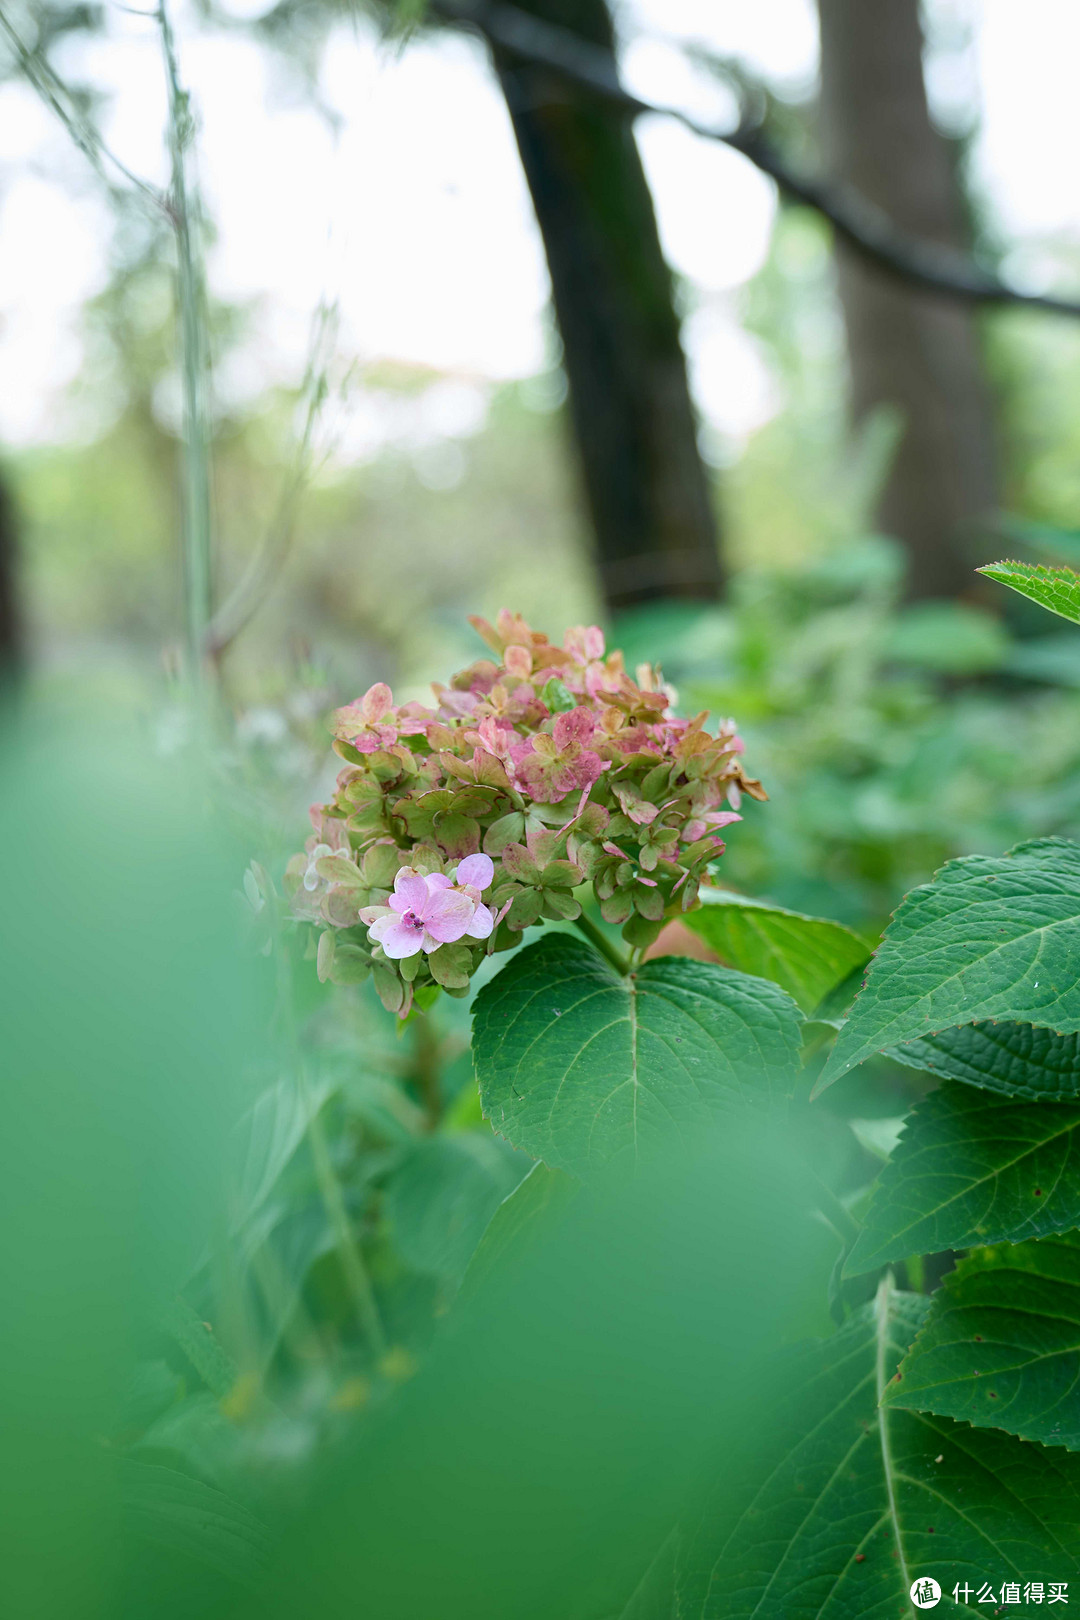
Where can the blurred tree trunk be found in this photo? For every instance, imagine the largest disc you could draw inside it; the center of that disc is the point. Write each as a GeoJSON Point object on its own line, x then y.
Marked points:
{"type": "Point", "coordinates": [907, 349]}
{"type": "Point", "coordinates": [645, 483]}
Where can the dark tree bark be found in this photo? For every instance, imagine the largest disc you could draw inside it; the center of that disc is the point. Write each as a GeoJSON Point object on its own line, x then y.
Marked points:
{"type": "Point", "coordinates": [906, 348]}
{"type": "Point", "coordinates": [645, 483]}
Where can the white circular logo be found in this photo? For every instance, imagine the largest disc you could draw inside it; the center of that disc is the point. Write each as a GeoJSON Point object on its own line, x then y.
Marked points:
{"type": "Point", "coordinates": [925, 1592]}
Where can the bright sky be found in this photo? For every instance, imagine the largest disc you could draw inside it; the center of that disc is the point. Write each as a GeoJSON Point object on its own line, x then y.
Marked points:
{"type": "Point", "coordinates": [414, 214]}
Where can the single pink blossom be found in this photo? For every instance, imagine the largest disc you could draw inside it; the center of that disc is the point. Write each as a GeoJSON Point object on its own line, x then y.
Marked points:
{"type": "Point", "coordinates": [473, 875]}
{"type": "Point", "coordinates": [518, 661]}
{"type": "Point", "coordinates": [585, 642]}
{"type": "Point", "coordinates": [424, 912]}
{"type": "Point", "coordinates": [363, 723]}
{"type": "Point", "coordinates": [499, 738]}
{"type": "Point", "coordinates": [559, 762]}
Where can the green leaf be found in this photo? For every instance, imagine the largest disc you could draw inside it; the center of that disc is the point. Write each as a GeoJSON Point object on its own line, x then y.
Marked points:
{"type": "Point", "coordinates": [1057, 589]}
{"type": "Point", "coordinates": [194, 1436]}
{"type": "Point", "coordinates": [579, 1065]}
{"type": "Point", "coordinates": [973, 1168]}
{"type": "Point", "coordinates": [1016, 1059]}
{"type": "Point", "coordinates": [877, 1136]}
{"type": "Point", "coordinates": [339, 869]}
{"type": "Point", "coordinates": [181, 1514]}
{"type": "Point", "coordinates": [1001, 1346]}
{"type": "Point", "coordinates": [349, 964]}
{"type": "Point", "coordinates": [655, 1597]}
{"type": "Point", "coordinates": [196, 1339]}
{"type": "Point", "coordinates": [990, 937]}
{"type": "Point", "coordinates": [537, 1201]}
{"type": "Point", "coordinates": [270, 1133]}
{"type": "Point", "coordinates": [443, 1195]}
{"type": "Point", "coordinates": [151, 1389]}
{"type": "Point", "coordinates": [807, 956]}
{"type": "Point", "coordinates": [835, 1516]}
{"type": "Point", "coordinates": [449, 966]}
{"type": "Point", "coordinates": [557, 695]}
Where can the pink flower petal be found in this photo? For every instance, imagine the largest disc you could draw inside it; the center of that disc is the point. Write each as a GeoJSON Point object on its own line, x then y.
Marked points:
{"type": "Point", "coordinates": [447, 915]}
{"type": "Point", "coordinates": [399, 940]}
{"type": "Point", "coordinates": [375, 702]}
{"type": "Point", "coordinates": [583, 771]}
{"type": "Point", "coordinates": [437, 880]}
{"type": "Point", "coordinates": [477, 870]}
{"type": "Point", "coordinates": [575, 726]}
{"type": "Point", "coordinates": [518, 661]}
{"type": "Point", "coordinates": [376, 914]}
{"type": "Point", "coordinates": [482, 923]}
{"type": "Point", "coordinates": [411, 890]}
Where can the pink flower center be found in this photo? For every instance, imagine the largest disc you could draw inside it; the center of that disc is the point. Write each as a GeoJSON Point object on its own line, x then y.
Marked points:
{"type": "Point", "coordinates": [411, 920]}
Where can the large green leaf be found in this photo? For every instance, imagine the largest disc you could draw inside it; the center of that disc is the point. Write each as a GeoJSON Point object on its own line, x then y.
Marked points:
{"type": "Point", "coordinates": [973, 1168]}
{"type": "Point", "coordinates": [654, 1596]}
{"type": "Point", "coordinates": [1016, 1059]}
{"type": "Point", "coordinates": [1001, 1346]}
{"type": "Point", "coordinates": [990, 937]}
{"type": "Point", "coordinates": [269, 1134]}
{"type": "Point", "coordinates": [181, 1514]}
{"type": "Point", "coordinates": [1057, 589]}
{"type": "Point", "coordinates": [442, 1195]}
{"type": "Point", "coordinates": [525, 1215]}
{"type": "Point", "coordinates": [847, 1504]}
{"type": "Point", "coordinates": [808, 956]}
{"type": "Point", "coordinates": [581, 1066]}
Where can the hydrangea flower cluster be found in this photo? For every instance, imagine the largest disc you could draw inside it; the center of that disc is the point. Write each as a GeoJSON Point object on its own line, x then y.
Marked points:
{"type": "Point", "coordinates": [455, 827]}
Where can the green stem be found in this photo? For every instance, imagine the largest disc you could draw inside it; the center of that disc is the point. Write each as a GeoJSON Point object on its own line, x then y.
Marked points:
{"type": "Point", "coordinates": [352, 1261]}
{"type": "Point", "coordinates": [619, 962]}
{"type": "Point", "coordinates": [426, 1070]}
{"type": "Point", "coordinates": [194, 365]}
{"type": "Point", "coordinates": [843, 1224]}
{"type": "Point", "coordinates": [333, 1199]}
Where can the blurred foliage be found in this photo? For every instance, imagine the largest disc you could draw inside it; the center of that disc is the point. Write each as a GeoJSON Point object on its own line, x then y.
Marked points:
{"type": "Point", "coordinates": [238, 1238]}
{"type": "Point", "coordinates": [889, 737]}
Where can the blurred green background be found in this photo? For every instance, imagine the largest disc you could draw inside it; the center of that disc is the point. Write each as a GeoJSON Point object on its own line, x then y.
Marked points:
{"type": "Point", "coordinates": [385, 467]}
{"type": "Point", "coordinates": [403, 430]}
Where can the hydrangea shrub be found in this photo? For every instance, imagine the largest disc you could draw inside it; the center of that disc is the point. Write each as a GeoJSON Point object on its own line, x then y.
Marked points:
{"type": "Point", "coordinates": [456, 826]}
{"type": "Point", "coordinates": [929, 1449]}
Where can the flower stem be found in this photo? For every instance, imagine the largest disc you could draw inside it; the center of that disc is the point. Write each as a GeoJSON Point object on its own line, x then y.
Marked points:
{"type": "Point", "coordinates": [595, 937]}
{"type": "Point", "coordinates": [348, 1247]}
{"type": "Point", "coordinates": [350, 1253]}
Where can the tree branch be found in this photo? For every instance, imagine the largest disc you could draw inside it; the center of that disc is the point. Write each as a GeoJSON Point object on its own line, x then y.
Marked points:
{"type": "Point", "coordinates": [869, 232]}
